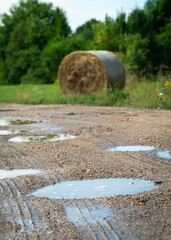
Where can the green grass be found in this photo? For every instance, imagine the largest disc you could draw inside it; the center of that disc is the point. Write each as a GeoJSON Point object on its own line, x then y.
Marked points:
{"type": "Point", "coordinates": [137, 93]}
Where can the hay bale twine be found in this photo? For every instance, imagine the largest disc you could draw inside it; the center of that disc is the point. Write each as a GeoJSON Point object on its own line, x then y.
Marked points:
{"type": "Point", "coordinates": [86, 71]}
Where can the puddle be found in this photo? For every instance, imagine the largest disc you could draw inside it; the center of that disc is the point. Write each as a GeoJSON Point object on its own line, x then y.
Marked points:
{"type": "Point", "coordinates": [42, 138]}
{"type": "Point", "coordinates": [8, 132]}
{"type": "Point", "coordinates": [135, 148]}
{"type": "Point", "coordinates": [94, 188]}
{"type": "Point", "coordinates": [76, 214]}
{"type": "Point", "coordinates": [6, 122]}
{"type": "Point", "coordinates": [96, 219]}
{"type": "Point", "coordinates": [17, 172]}
{"type": "Point", "coordinates": [164, 154]}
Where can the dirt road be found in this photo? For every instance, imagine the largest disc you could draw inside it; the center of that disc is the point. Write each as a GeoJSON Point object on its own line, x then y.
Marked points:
{"type": "Point", "coordinates": [139, 216]}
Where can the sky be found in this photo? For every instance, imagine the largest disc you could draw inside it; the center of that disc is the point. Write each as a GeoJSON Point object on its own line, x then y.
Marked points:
{"type": "Point", "coordinates": [80, 11]}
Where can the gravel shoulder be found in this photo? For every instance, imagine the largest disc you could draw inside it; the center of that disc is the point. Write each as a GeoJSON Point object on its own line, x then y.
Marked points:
{"type": "Point", "coordinates": [140, 216]}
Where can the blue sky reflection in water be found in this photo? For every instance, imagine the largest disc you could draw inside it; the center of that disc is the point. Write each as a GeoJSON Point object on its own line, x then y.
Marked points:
{"type": "Point", "coordinates": [94, 188]}
{"type": "Point", "coordinates": [17, 172]}
{"type": "Point", "coordinates": [8, 132]}
{"type": "Point", "coordinates": [164, 154]}
{"type": "Point", "coordinates": [133, 148]}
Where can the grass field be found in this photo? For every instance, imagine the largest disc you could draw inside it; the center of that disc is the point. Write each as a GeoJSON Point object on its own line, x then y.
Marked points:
{"type": "Point", "coordinates": [137, 93]}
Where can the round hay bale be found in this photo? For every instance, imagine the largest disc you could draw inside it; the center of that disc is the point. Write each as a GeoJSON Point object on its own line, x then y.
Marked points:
{"type": "Point", "coordinates": [86, 71]}
{"type": "Point", "coordinates": [81, 72]}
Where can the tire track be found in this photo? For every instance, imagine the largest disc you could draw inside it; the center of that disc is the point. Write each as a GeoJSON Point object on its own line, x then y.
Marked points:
{"type": "Point", "coordinates": [33, 162]}
{"type": "Point", "coordinates": [112, 229]}
{"type": "Point", "coordinates": [86, 222]}
{"type": "Point", "coordinates": [106, 145]}
{"type": "Point", "coordinates": [15, 208]}
{"type": "Point", "coordinates": [141, 160]}
{"type": "Point", "coordinates": [52, 176]}
{"type": "Point", "coordinates": [96, 220]}
{"type": "Point", "coordinates": [7, 199]}
{"type": "Point", "coordinates": [47, 223]}
{"type": "Point", "coordinates": [105, 225]}
{"type": "Point", "coordinates": [14, 154]}
{"type": "Point", "coordinates": [102, 232]}
{"type": "Point", "coordinates": [6, 215]}
{"type": "Point", "coordinates": [2, 189]}
{"type": "Point", "coordinates": [133, 158]}
{"type": "Point", "coordinates": [26, 212]}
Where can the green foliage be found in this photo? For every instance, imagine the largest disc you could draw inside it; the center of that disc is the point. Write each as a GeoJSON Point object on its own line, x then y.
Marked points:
{"type": "Point", "coordinates": [25, 33]}
{"type": "Point", "coordinates": [51, 58]}
{"type": "Point", "coordinates": [164, 41]}
{"type": "Point", "coordinates": [137, 22]}
{"type": "Point", "coordinates": [83, 37]}
{"type": "Point", "coordinates": [108, 35]}
{"type": "Point", "coordinates": [135, 49]}
{"type": "Point", "coordinates": [35, 37]}
{"type": "Point", "coordinates": [139, 92]}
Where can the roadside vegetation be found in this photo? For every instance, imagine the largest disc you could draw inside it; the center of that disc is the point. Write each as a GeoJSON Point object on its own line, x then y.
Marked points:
{"type": "Point", "coordinates": [35, 37]}
{"type": "Point", "coordinates": [138, 92]}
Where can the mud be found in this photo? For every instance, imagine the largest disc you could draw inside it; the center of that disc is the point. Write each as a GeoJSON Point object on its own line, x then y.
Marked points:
{"type": "Point", "coordinates": [139, 216]}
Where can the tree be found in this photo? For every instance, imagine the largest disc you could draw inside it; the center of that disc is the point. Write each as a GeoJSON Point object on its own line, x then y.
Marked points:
{"type": "Point", "coordinates": [107, 35]}
{"type": "Point", "coordinates": [137, 22]}
{"type": "Point", "coordinates": [158, 13]}
{"type": "Point", "coordinates": [83, 37]}
{"type": "Point", "coordinates": [25, 32]}
{"type": "Point", "coordinates": [136, 50]}
{"type": "Point", "coordinates": [164, 42]}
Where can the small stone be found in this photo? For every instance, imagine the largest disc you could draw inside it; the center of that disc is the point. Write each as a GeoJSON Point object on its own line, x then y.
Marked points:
{"type": "Point", "coordinates": [158, 182]}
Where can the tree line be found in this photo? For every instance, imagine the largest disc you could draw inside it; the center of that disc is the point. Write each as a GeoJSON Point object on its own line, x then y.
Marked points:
{"type": "Point", "coordinates": [35, 37]}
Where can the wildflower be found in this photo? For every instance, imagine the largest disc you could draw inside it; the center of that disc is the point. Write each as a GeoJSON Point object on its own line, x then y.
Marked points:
{"type": "Point", "coordinates": [167, 84]}
{"type": "Point", "coordinates": [160, 94]}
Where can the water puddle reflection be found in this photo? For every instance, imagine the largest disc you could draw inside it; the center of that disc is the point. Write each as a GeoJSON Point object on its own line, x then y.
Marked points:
{"type": "Point", "coordinates": [42, 138]}
{"type": "Point", "coordinates": [132, 148]}
{"type": "Point", "coordinates": [76, 214]}
{"type": "Point", "coordinates": [94, 188]}
{"type": "Point", "coordinates": [6, 122]}
{"type": "Point", "coordinates": [17, 172]}
{"type": "Point", "coordinates": [164, 154]}
{"type": "Point", "coordinates": [96, 219]}
{"type": "Point", "coordinates": [8, 132]}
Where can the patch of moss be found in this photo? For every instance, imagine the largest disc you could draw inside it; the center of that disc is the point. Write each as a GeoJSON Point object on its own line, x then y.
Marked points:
{"type": "Point", "coordinates": [23, 131]}
{"type": "Point", "coordinates": [21, 122]}
{"type": "Point", "coordinates": [112, 113]}
{"type": "Point", "coordinates": [41, 138]}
